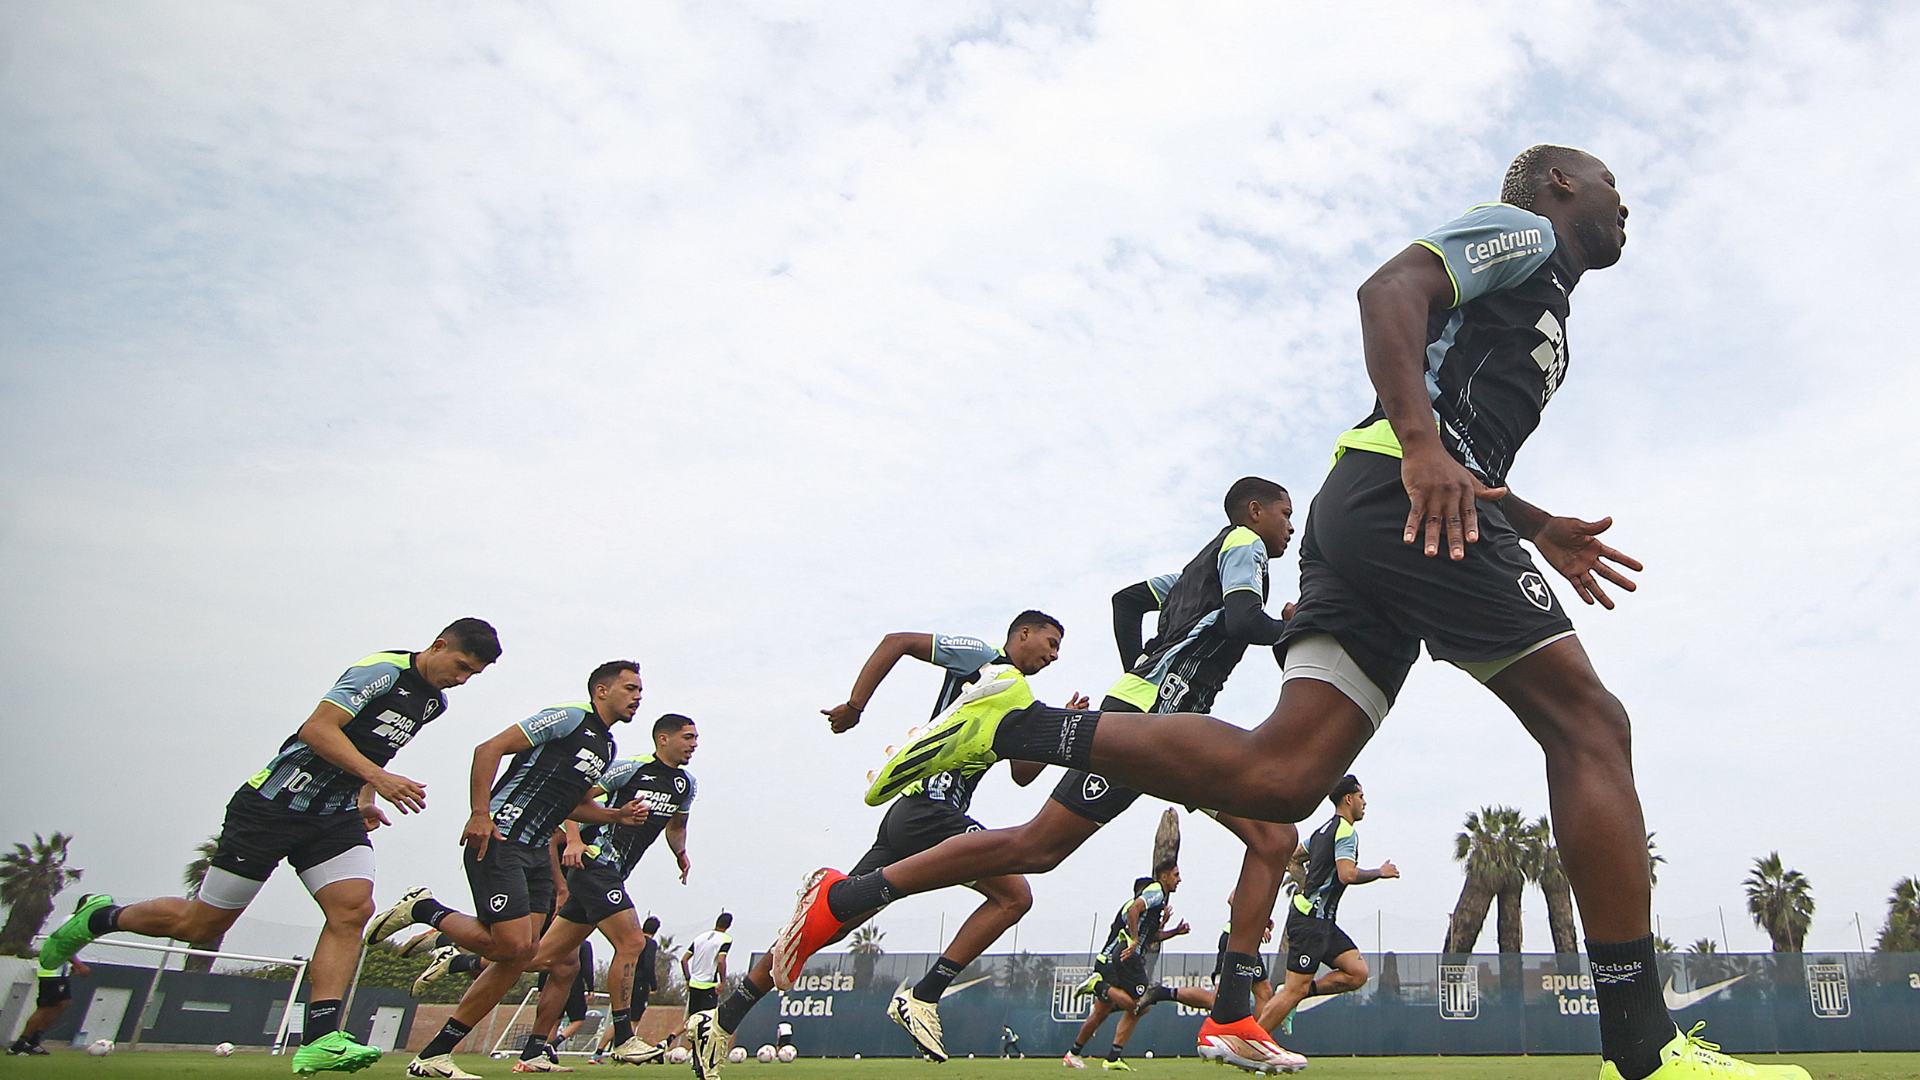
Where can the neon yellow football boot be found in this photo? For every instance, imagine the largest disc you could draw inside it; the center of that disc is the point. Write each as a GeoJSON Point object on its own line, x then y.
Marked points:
{"type": "Point", "coordinates": [1689, 1057]}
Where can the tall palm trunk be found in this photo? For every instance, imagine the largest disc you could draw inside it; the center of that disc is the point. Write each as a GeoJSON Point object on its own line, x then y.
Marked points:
{"type": "Point", "coordinates": [23, 921]}
{"type": "Point", "coordinates": [1469, 916]}
{"type": "Point", "coordinates": [1508, 930]}
{"type": "Point", "coordinates": [1560, 919]}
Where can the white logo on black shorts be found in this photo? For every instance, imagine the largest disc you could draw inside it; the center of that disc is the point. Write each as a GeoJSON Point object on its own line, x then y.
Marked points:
{"type": "Point", "coordinates": [1306, 962]}
{"type": "Point", "coordinates": [613, 896]}
{"type": "Point", "coordinates": [1094, 787]}
{"type": "Point", "coordinates": [499, 902]}
{"type": "Point", "coordinates": [1534, 588]}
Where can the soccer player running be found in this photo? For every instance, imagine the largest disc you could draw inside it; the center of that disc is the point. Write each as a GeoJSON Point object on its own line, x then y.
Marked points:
{"type": "Point", "coordinates": [559, 754]}
{"type": "Point", "coordinates": [980, 680]}
{"type": "Point", "coordinates": [1415, 538]}
{"type": "Point", "coordinates": [1120, 970]}
{"type": "Point", "coordinates": [600, 858]}
{"type": "Point", "coordinates": [1209, 613]}
{"type": "Point", "coordinates": [313, 806]}
{"type": "Point", "coordinates": [55, 994]}
{"type": "Point", "coordinates": [1313, 938]}
{"type": "Point", "coordinates": [642, 987]}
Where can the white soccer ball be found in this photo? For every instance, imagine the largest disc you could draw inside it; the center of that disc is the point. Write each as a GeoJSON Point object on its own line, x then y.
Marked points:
{"type": "Point", "coordinates": [765, 1054]}
{"type": "Point", "coordinates": [787, 1054]}
{"type": "Point", "coordinates": [100, 1047]}
{"type": "Point", "coordinates": [856, 1057]}
{"type": "Point", "coordinates": [678, 1056]}
{"type": "Point", "coordinates": [1149, 1055]}
{"type": "Point", "coordinates": [223, 1050]}
{"type": "Point", "coordinates": [737, 1055]}
{"type": "Point", "coordinates": [500, 1055]}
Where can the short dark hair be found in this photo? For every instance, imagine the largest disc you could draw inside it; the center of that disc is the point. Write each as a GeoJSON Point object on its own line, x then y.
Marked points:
{"type": "Point", "coordinates": [1348, 785]}
{"type": "Point", "coordinates": [607, 672]}
{"type": "Point", "coordinates": [1250, 489]}
{"type": "Point", "coordinates": [475, 637]}
{"type": "Point", "coordinates": [670, 723]}
{"type": "Point", "coordinates": [651, 926]}
{"type": "Point", "coordinates": [1530, 170]}
{"type": "Point", "coordinates": [1140, 885]}
{"type": "Point", "coordinates": [725, 920]}
{"type": "Point", "coordinates": [1035, 619]}
{"type": "Point", "coordinates": [1171, 862]}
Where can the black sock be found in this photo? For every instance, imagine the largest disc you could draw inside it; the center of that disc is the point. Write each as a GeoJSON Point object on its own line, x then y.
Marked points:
{"type": "Point", "coordinates": [1052, 736]}
{"type": "Point", "coordinates": [534, 1048]}
{"type": "Point", "coordinates": [1077, 1047]}
{"type": "Point", "coordinates": [430, 911]}
{"type": "Point", "coordinates": [463, 963]}
{"type": "Point", "coordinates": [448, 1038]}
{"type": "Point", "coordinates": [937, 979]}
{"type": "Point", "coordinates": [104, 921]}
{"type": "Point", "coordinates": [1233, 1000]}
{"type": "Point", "coordinates": [323, 1017]}
{"type": "Point", "coordinates": [1161, 993]}
{"type": "Point", "coordinates": [738, 1005]}
{"type": "Point", "coordinates": [622, 1027]}
{"type": "Point", "coordinates": [1313, 989]}
{"type": "Point", "coordinates": [1634, 1024]}
{"type": "Point", "coordinates": [441, 941]}
{"type": "Point", "coordinates": [850, 898]}
{"type": "Point", "coordinates": [1114, 1054]}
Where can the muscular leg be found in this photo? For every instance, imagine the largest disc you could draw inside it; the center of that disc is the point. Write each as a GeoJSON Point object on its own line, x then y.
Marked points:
{"type": "Point", "coordinates": [1091, 1027]}
{"type": "Point", "coordinates": [347, 905]}
{"type": "Point", "coordinates": [1008, 899]}
{"type": "Point", "coordinates": [173, 917]}
{"type": "Point", "coordinates": [1034, 848]}
{"type": "Point", "coordinates": [1596, 811]}
{"type": "Point", "coordinates": [559, 957]}
{"type": "Point", "coordinates": [513, 944]}
{"type": "Point", "coordinates": [1285, 999]}
{"type": "Point", "coordinates": [623, 929]}
{"type": "Point", "coordinates": [1270, 847]}
{"type": "Point", "coordinates": [1349, 974]}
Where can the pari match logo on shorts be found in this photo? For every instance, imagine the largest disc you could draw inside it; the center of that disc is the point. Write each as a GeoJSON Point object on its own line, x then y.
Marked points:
{"type": "Point", "coordinates": [1534, 588]}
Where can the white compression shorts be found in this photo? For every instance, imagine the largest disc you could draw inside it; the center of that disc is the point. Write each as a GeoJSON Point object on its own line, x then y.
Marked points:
{"type": "Point", "coordinates": [1319, 656]}
{"type": "Point", "coordinates": [229, 891]}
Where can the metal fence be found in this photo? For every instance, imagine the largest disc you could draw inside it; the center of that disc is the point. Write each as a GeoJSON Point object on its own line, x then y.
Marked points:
{"type": "Point", "coordinates": [1413, 1004]}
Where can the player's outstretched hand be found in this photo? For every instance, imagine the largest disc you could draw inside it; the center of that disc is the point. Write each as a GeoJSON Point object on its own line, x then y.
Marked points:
{"type": "Point", "coordinates": [1388, 870]}
{"type": "Point", "coordinates": [373, 817]}
{"type": "Point", "coordinates": [1573, 547]}
{"type": "Point", "coordinates": [1442, 492]}
{"type": "Point", "coordinates": [1184, 928]}
{"type": "Point", "coordinates": [1078, 701]}
{"type": "Point", "coordinates": [573, 854]}
{"type": "Point", "coordinates": [478, 833]}
{"type": "Point", "coordinates": [686, 865]}
{"type": "Point", "coordinates": [842, 717]}
{"type": "Point", "coordinates": [409, 795]}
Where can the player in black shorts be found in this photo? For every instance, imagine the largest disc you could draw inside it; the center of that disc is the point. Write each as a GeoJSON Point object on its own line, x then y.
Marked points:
{"type": "Point", "coordinates": [1414, 539]}
{"type": "Point", "coordinates": [1119, 982]}
{"type": "Point", "coordinates": [979, 677]}
{"type": "Point", "coordinates": [55, 994]}
{"type": "Point", "coordinates": [313, 806]}
{"type": "Point", "coordinates": [1313, 938]}
{"type": "Point", "coordinates": [600, 858]}
{"type": "Point", "coordinates": [559, 754]}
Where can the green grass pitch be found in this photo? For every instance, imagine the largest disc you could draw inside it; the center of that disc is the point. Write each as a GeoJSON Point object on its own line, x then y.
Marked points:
{"type": "Point", "coordinates": [74, 1063]}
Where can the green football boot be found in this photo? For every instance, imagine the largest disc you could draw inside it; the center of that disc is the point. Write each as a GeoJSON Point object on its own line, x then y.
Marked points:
{"type": "Point", "coordinates": [963, 739]}
{"type": "Point", "coordinates": [336, 1051]}
{"type": "Point", "coordinates": [1689, 1056]}
{"type": "Point", "coordinates": [72, 935]}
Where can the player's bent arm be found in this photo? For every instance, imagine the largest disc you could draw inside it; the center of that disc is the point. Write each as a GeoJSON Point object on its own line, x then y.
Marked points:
{"type": "Point", "coordinates": [593, 813]}
{"type": "Point", "coordinates": [479, 830]}
{"type": "Point", "coordinates": [1351, 874]}
{"type": "Point", "coordinates": [325, 731]}
{"type": "Point", "coordinates": [1243, 617]}
{"type": "Point", "coordinates": [885, 655]}
{"type": "Point", "coordinates": [1130, 605]}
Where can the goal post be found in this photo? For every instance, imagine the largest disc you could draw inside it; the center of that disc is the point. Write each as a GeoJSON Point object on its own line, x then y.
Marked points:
{"type": "Point", "coordinates": [298, 963]}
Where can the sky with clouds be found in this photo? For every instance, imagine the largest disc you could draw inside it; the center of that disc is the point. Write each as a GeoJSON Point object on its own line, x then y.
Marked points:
{"type": "Point", "coordinates": [730, 338]}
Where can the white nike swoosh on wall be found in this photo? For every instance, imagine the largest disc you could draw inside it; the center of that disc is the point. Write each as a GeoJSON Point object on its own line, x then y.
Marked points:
{"type": "Point", "coordinates": [1677, 1001]}
{"type": "Point", "coordinates": [952, 990]}
{"type": "Point", "coordinates": [1313, 1002]}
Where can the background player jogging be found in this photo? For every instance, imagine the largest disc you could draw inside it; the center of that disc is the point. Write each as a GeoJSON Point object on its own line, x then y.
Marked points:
{"type": "Point", "coordinates": [1412, 539]}
{"type": "Point", "coordinates": [1313, 937]}
{"type": "Point", "coordinates": [979, 678]}
{"type": "Point", "coordinates": [1119, 982]}
{"type": "Point", "coordinates": [313, 806]}
{"type": "Point", "coordinates": [558, 755]}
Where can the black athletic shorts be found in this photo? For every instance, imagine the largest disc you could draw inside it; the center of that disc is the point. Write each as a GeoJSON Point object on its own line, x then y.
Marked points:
{"type": "Point", "coordinates": [1381, 598]}
{"type": "Point", "coordinates": [258, 834]}
{"type": "Point", "coordinates": [513, 881]}
{"type": "Point", "coordinates": [1095, 797]}
{"type": "Point", "coordinates": [54, 991]}
{"type": "Point", "coordinates": [1220, 961]}
{"type": "Point", "coordinates": [702, 998]}
{"type": "Point", "coordinates": [595, 892]}
{"type": "Point", "coordinates": [1128, 976]}
{"type": "Point", "coordinates": [913, 824]}
{"type": "Point", "coordinates": [1312, 942]}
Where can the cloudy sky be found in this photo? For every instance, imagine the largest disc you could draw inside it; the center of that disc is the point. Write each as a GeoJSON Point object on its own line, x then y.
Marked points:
{"type": "Point", "coordinates": [730, 338]}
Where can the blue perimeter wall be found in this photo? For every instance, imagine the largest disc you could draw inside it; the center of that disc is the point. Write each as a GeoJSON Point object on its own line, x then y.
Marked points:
{"type": "Point", "coordinates": [1413, 1004]}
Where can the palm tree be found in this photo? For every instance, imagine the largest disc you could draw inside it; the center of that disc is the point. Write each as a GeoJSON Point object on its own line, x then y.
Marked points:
{"type": "Point", "coordinates": [1781, 903]}
{"type": "Point", "coordinates": [1902, 931]}
{"type": "Point", "coordinates": [865, 949]}
{"type": "Point", "coordinates": [1654, 859]}
{"type": "Point", "coordinates": [1026, 973]}
{"type": "Point", "coordinates": [30, 877]}
{"type": "Point", "coordinates": [1501, 852]}
{"type": "Point", "coordinates": [665, 971]}
{"type": "Point", "coordinates": [1552, 878]}
{"type": "Point", "coordinates": [193, 877]}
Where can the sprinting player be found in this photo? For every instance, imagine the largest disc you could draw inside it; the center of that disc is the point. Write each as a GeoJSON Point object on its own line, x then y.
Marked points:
{"type": "Point", "coordinates": [704, 965]}
{"type": "Point", "coordinates": [1119, 981]}
{"type": "Point", "coordinates": [643, 985]}
{"type": "Point", "coordinates": [1010, 1043]}
{"type": "Point", "coordinates": [55, 994]}
{"type": "Point", "coordinates": [1313, 938]}
{"type": "Point", "coordinates": [1210, 612]}
{"type": "Point", "coordinates": [558, 756]}
{"type": "Point", "coordinates": [1465, 339]}
{"type": "Point", "coordinates": [313, 806]}
{"type": "Point", "coordinates": [980, 679]}
{"type": "Point", "coordinates": [601, 857]}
